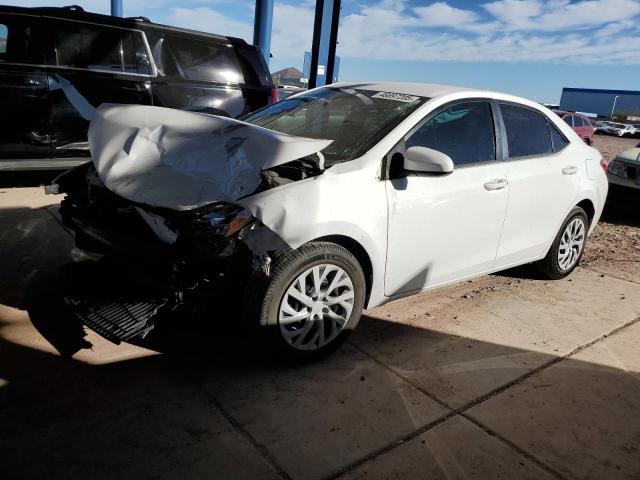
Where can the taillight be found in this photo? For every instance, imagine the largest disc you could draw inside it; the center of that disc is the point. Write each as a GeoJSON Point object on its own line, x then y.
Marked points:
{"type": "Point", "coordinates": [274, 95]}
{"type": "Point", "coordinates": [603, 164]}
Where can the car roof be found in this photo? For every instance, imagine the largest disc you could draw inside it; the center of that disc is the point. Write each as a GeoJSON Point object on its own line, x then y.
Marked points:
{"type": "Point", "coordinates": [421, 89]}
{"type": "Point", "coordinates": [432, 90]}
{"type": "Point", "coordinates": [76, 13]}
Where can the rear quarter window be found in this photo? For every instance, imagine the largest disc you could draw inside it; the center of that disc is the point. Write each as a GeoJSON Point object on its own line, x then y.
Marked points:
{"type": "Point", "coordinates": [4, 31]}
{"type": "Point", "coordinates": [527, 131]}
{"type": "Point", "coordinates": [558, 141]}
{"type": "Point", "coordinates": [206, 61]}
{"type": "Point", "coordinates": [19, 42]}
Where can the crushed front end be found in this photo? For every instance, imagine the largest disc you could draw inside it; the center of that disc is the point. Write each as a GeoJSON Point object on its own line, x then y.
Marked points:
{"type": "Point", "coordinates": [153, 262]}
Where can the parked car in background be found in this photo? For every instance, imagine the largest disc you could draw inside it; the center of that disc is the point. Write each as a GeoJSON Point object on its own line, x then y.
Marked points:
{"type": "Point", "coordinates": [284, 91]}
{"type": "Point", "coordinates": [619, 129]}
{"type": "Point", "coordinates": [624, 170]}
{"type": "Point", "coordinates": [581, 125]}
{"type": "Point", "coordinates": [342, 197]}
{"type": "Point", "coordinates": [58, 64]}
{"type": "Point", "coordinates": [599, 125]}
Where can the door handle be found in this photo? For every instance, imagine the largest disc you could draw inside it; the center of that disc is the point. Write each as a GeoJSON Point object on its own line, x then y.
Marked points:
{"type": "Point", "coordinates": [139, 87]}
{"type": "Point", "coordinates": [496, 184]}
{"type": "Point", "coordinates": [570, 170]}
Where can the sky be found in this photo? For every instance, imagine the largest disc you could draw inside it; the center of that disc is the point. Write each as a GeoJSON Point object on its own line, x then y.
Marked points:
{"type": "Point", "coordinates": [531, 48]}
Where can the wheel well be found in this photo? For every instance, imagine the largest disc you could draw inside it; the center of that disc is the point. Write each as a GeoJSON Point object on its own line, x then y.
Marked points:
{"type": "Point", "coordinates": [588, 207]}
{"type": "Point", "coordinates": [357, 251]}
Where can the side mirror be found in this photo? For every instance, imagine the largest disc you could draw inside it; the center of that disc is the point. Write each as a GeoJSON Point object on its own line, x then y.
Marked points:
{"type": "Point", "coordinates": [423, 159]}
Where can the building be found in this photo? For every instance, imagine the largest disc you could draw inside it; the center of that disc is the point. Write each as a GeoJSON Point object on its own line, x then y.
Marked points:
{"type": "Point", "coordinates": [288, 76]}
{"type": "Point", "coordinates": [604, 103]}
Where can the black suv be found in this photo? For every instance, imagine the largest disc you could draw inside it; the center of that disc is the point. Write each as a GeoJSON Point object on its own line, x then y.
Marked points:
{"type": "Point", "coordinates": [58, 64]}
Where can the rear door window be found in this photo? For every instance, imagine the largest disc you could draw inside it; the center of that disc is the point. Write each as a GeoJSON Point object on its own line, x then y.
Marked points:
{"type": "Point", "coordinates": [19, 42]}
{"type": "Point", "coordinates": [464, 131]}
{"type": "Point", "coordinates": [527, 131]}
{"type": "Point", "coordinates": [577, 122]}
{"type": "Point", "coordinates": [568, 120]}
{"type": "Point", "coordinates": [206, 61]}
{"type": "Point", "coordinates": [101, 48]}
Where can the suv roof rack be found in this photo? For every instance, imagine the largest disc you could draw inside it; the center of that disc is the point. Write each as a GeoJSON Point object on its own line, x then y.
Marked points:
{"type": "Point", "coordinates": [73, 8]}
{"type": "Point", "coordinates": [140, 18]}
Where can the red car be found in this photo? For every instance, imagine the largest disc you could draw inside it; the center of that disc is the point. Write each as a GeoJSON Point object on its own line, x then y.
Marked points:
{"type": "Point", "coordinates": [581, 125]}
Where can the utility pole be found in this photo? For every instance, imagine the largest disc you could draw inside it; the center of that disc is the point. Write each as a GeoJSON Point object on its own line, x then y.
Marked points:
{"type": "Point", "coordinates": [614, 105]}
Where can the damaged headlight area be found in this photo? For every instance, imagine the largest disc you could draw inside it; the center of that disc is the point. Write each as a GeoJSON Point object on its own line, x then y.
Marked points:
{"type": "Point", "coordinates": [206, 234]}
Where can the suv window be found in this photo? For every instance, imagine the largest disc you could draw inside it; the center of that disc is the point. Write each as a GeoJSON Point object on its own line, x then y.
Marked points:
{"type": "Point", "coordinates": [464, 131]}
{"type": "Point", "coordinates": [206, 61]}
{"type": "Point", "coordinates": [568, 120]}
{"type": "Point", "coordinates": [96, 47]}
{"type": "Point", "coordinates": [527, 131]}
{"type": "Point", "coordinates": [578, 122]}
{"type": "Point", "coordinates": [18, 42]}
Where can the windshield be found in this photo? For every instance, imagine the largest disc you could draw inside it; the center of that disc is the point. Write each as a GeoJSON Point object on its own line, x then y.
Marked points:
{"type": "Point", "coordinates": [354, 119]}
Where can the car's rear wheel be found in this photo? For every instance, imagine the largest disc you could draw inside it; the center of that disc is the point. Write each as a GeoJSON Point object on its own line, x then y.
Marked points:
{"type": "Point", "coordinates": [567, 248]}
{"type": "Point", "coordinates": [311, 301]}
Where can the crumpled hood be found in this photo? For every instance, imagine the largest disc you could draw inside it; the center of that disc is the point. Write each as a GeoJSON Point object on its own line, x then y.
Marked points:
{"type": "Point", "coordinates": [182, 160]}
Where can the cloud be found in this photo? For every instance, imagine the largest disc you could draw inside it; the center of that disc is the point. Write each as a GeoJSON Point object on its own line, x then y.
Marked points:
{"type": "Point", "coordinates": [535, 31]}
{"type": "Point", "coordinates": [558, 15]}
{"type": "Point", "coordinates": [583, 32]}
{"type": "Point", "coordinates": [203, 18]}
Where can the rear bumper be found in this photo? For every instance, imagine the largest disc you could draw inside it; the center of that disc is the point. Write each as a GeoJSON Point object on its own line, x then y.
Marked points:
{"type": "Point", "coordinates": [623, 182]}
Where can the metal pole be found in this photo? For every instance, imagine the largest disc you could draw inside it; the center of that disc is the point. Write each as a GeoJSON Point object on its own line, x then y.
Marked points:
{"type": "Point", "coordinates": [315, 45]}
{"type": "Point", "coordinates": [333, 41]}
{"type": "Point", "coordinates": [325, 35]}
{"type": "Point", "coordinates": [116, 8]}
{"type": "Point", "coordinates": [262, 24]}
{"type": "Point", "coordinates": [614, 105]}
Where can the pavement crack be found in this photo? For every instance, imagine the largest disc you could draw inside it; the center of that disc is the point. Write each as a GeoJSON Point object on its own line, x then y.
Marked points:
{"type": "Point", "coordinates": [260, 448]}
{"type": "Point", "coordinates": [461, 410]}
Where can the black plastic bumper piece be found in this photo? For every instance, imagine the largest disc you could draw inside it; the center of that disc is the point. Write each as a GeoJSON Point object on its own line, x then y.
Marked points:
{"type": "Point", "coordinates": [115, 321]}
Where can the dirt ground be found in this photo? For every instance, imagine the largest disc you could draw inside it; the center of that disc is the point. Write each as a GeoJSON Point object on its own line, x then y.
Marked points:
{"type": "Point", "coordinates": [615, 244]}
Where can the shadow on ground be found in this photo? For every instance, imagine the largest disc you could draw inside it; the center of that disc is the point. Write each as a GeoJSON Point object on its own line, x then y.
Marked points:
{"type": "Point", "coordinates": [27, 179]}
{"type": "Point", "coordinates": [209, 408]}
{"type": "Point", "coordinates": [622, 206]}
{"type": "Point", "coordinates": [212, 405]}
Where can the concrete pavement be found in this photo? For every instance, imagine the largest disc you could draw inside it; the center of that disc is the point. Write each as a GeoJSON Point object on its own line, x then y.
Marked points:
{"type": "Point", "coordinates": [502, 377]}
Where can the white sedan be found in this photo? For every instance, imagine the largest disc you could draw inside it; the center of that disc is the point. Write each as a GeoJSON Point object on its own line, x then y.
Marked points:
{"type": "Point", "coordinates": [344, 197]}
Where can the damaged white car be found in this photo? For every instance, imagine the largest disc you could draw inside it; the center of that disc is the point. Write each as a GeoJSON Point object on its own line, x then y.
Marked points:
{"type": "Point", "coordinates": [337, 199]}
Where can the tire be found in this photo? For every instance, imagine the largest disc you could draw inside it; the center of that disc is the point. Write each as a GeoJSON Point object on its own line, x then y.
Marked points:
{"type": "Point", "coordinates": [302, 341]}
{"type": "Point", "coordinates": [551, 266]}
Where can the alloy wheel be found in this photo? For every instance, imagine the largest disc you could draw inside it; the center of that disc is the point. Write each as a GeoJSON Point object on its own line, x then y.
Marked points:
{"type": "Point", "coordinates": [571, 244]}
{"type": "Point", "coordinates": [316, 307]}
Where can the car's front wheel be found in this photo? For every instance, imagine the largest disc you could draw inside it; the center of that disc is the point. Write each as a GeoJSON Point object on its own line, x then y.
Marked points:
{"type": "Point", "coordinates": [310, 301]}
{"type": "Point", "coordinates": [567, 248]}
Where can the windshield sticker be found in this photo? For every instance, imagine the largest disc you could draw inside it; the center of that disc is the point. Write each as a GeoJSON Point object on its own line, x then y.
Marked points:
{"type": "Point", "coordinates": [398, 97]}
